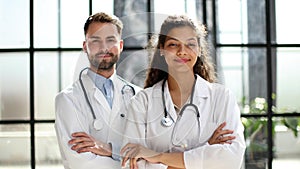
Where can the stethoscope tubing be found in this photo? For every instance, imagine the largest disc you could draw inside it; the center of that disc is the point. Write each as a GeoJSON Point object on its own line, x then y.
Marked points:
{"type": "Point", "coordinates": [166, 113]}
{"type": "Point", "coordinates": [85, 94]}
{"type": "Point", "coordinates": [88, 101]}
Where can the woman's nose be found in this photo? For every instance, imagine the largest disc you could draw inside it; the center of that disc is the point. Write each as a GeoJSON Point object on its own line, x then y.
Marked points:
{"type": "Point", "coordinates": [181, 50]}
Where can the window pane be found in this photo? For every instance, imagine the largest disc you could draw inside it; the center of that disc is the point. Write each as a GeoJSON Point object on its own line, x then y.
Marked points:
{"type": "Point", "coordinates": [73, 16]}
{"type": "Point", "coordinates": [46, 24]}
{"type": "Point", "coordinates": [47, 150]}
{"type": "Point", "coordinates": [15, 146]}
{"type": "Point", "coordinates": [13, 16]}
{"type": "Point", "coordinates": [46, 83]}
{"type": "Point", "coordinates": [133, 66]}
{"type": "Point", "coordinates": [170, 7]}
{"type": "Point", "coordinates": [288, 79]}
{"type": "Point", "coordinates": [71, 64]}
{"type": "Point", "coordinates": [287, 31]}
{"type": "Point", "coordinates": [241, 21]}
{"type": "Point", "coordinates": [256, 143]}
{"type": "Point", "coordinates": [233, 71]}
{"type": "Point", "coordinates": [134, 16]}
{"type": "Point", "coordinates": [287, 147]}
{"type": "Point", "coordinates": [243, 70]}
{"type": "Point", "coordinates": [14, 86]}
{"type": "Point", "coordinates": [106, 6]}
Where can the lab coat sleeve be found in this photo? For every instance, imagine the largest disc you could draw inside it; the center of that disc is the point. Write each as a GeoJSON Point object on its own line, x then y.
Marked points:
{"type": "Point", "coordinates": [70, 119]}
{"type": "Point", "coordinates": [220, 156]}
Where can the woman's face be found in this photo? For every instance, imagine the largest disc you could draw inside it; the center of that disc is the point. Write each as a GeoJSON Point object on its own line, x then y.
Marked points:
{"type": "Point", "coordinates": [181, 49]}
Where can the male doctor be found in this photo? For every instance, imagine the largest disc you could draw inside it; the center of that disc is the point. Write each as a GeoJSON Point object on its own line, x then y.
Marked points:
{"type": "Point", "coordinates": [90, 112]}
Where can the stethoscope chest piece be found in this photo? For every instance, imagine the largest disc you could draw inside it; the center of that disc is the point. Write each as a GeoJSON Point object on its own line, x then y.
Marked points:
{"type": "Point", "coordinates": [166, 121]}
{"type": "Point", "coordinates": [98, 125]}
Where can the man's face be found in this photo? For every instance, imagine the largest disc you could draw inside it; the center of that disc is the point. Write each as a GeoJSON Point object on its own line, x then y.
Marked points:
{"type": "Point", "coordinates": [103, 45]}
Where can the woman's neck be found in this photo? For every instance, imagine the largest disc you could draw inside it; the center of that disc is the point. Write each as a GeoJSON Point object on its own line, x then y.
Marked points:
{"type": "Point", "coordinates": [180, 88]}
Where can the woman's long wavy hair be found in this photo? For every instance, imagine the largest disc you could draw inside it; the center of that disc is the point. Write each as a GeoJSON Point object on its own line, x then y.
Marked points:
{"type": "Point", "coordinates": [159, 69]}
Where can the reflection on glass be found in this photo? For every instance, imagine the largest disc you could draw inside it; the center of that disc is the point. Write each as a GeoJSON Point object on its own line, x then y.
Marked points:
{"type": "Point", "coordinates": [133, 65]}
{"type": "Point", "coordinates": [14, 86]}
{"type": "Point", "coordinates": [46, 24]}
{"type": "Point", "coordinates": [71, 65]}
{"type": "Point", "coordinates": [14, 146]}
{"type": "Point", "coordinates": [288, 79]}
{"type": "Point", "coordinates": [287, 31]}
{"type": "Point", "coordinates": [286, 142]}
{"type": "Point", "coordinates": [46, 83]}
{"type": "Point", "coordinates": [14, 30]}
{"type": "Point", "coordinates": [47, 150]}
{"type": "Point", "coordinates": [256, 143]}
{"type": "Point", "coordinates": [233, 70]}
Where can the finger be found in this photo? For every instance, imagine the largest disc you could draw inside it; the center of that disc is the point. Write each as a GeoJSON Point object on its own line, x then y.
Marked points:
{"type": "Point", "coordinates": [134, 163]}
{"type": "Point", "coordinates": [125, 159]}
{"type": "Point", "coordinates": [221, 126]}
{"type": "Point", "coordinates": [227, 138]}
{"type": "Point", "coordinates": [131, 164]}
{"type": "Point", "coordinates": [79, 140]}
{"type": "Point", "coordinates": [84, 150]}
{"type": "Point", "coordinates": [82, 145]}
{"type": "Point", "coordinates": [224, 132]}
{"type": "Point", "coordinates": [80, 134]}
{"type": "Point", "coordinates": [127, 147]}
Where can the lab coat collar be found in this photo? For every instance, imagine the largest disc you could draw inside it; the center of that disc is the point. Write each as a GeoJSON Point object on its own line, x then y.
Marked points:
{"type": "Point", "coordinates": [202, 88]}
{"type": "Point", "coordinates": [201, 92]}
{"type": "Point", "coordinates": [96, 93]}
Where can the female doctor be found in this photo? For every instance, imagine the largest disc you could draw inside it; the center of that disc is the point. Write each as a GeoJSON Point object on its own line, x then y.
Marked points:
{"type": "Point", "coordinates": [172, 121]}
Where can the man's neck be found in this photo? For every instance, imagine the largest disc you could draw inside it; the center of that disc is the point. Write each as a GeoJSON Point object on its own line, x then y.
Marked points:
{"type": "Point", "coordinates": [105, 73]}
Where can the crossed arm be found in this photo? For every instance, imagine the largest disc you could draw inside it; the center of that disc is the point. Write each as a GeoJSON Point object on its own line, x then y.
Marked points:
{"type": "Point", "coordinates": [134, 152]}
{"type": "Point", "coordinates": [82, 142]}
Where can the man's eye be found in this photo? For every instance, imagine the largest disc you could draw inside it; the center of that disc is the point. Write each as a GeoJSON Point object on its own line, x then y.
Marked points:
{"type": "Point", "coordinates": [95, 41]}
{"type": "Point", "coordinates": [111, 40]}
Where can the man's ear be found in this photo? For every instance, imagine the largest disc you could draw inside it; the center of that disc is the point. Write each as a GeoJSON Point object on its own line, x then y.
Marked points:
{"type": "Point", "coordinates": [121, 45]}
{"type": "Point", "coordinates": [84, 47]}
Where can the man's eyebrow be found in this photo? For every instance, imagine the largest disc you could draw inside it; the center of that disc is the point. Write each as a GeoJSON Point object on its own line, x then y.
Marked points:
{"type": "Point", "coordinates": [95, 37]}
{"type": "Point", "coordinates": [111, 37]}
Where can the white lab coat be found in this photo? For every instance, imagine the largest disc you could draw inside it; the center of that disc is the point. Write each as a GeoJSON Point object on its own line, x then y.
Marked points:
{"type": "Point", "coordinates": [216, 104]}
{"type": "Point", "coordinates": [74, 115]}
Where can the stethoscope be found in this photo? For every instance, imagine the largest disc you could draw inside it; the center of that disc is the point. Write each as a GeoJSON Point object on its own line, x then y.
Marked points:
{"type": "Point", "coordinates": [127, 92]}
{"type": "Point", "coordinates": [167, 121]}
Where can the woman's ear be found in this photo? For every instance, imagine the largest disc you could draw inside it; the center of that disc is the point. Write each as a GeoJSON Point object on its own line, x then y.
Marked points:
{"type": "Point", "coordinates": [161, 50]}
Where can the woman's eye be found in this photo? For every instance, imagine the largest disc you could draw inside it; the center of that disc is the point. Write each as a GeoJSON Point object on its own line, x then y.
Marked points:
{"type": "Point", "coordinates": [172, 44]}
{"type": "Point", "coordinates": [191, 44]}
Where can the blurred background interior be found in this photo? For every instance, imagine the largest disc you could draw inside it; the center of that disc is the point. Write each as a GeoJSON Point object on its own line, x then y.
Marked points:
{"type": "Point", "coordinates": [255, 45]}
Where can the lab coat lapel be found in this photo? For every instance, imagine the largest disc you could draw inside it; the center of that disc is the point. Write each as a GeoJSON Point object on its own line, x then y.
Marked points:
{"type": "Point", "coordinates": [95, 95]}
{"type": "Point", "coordinates": [201, 94]}
{"type": "Point", "coordinates": [117, 99]}
{"type": "Point", "coordinates": [169, 103]}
